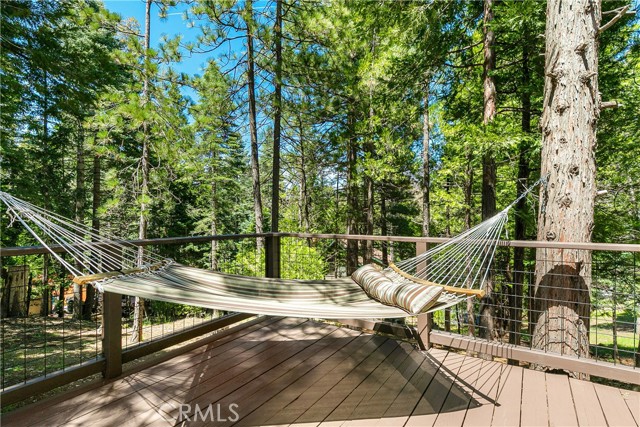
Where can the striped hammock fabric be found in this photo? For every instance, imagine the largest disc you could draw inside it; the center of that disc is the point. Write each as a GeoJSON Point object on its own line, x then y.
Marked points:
{"type": "Point", "coordinates": [390, 288]}
{"type": "Point", "coordinates": [327, 299]}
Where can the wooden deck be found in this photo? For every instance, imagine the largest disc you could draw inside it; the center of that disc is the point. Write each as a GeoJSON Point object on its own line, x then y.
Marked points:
{"type": "Point", "coordinates": [299, 372]}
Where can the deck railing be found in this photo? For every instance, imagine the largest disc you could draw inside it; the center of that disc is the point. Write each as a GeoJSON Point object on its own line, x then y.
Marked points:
{"type": "Point", "coordinates": [41, 351]}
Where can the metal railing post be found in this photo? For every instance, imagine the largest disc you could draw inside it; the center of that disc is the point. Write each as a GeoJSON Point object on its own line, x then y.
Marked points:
{"type": "Point", "coordinates": [425, 321]}
{"type": "Point", "coordinates": [272, 256]}
{"type": "Point", "coordinates": [112, 334]}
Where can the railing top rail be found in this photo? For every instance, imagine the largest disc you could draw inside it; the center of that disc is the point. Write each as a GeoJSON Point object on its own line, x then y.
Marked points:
{"type": "Point", "coordinates": [613, 247]}
{"type": "Point", "coordinates": [35, 250]}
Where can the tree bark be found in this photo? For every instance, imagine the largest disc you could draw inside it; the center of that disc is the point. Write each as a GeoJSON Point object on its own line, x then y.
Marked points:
{"type": "Point", "coordinates": [426, 172]}
{"type": "Point", "coordinates": [45, 307]}
{"type": "Point", "coordinates": [468, 201]}
{"type": "Point", "coordinates": [79, 217]}
{"type": "Point", "coordinates": [370, 201]}
{"type": "Point", "coordinates": [214, 226]}
{"type": "Point", "coordinates": [87, 308]}
{"type": "Point", "coordinates": [304, 190]}
{"type": "Point", "coordinates": [522, 182]}
{"type": "Point", "coordinates": [569, 120]}
{"type": "Point", "coordinates": [253, 130]}
{"type": "Point", "coordinates": [368, 176]}
{"type": "Point", "coordinates": [277, 116]}
{"type": "Point", "coordinates": [383, 225]}
{"type": "Point", "coordinates": [352, 193]}
{"type": "Point", "coordinates": [138, 312]}
{"type": "Point", "coordinates": [487, 306]}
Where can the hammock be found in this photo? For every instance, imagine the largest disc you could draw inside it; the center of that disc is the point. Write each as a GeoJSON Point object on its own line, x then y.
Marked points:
{"type": "Point", "coordinates": [440, 277]}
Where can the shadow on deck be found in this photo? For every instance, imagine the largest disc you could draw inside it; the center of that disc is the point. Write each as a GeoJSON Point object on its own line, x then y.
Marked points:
{"type": "Point", "coordinates": [299, 372]}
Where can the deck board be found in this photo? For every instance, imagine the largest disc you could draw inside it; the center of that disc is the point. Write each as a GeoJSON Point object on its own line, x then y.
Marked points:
{"type": "Point", "coordinates": [348, 408]}
{"type": "Point", "coordinates": [586, 402]}
{"type": "Point", "coordinates": [295, 391]}
{"type": "Point", "coordinates": [480, 413]}
{"type": "Point", "coordinates": [400, 410]}
{"type": "Point", "coordinates": [458, 399]}
{"type": "Point", "coordinates": [534, 410]}
{"type": "Point", "coordinates": [371, 410]}
{"type": "Point", "coordinates": [294, 410]}
{"type": "Point", "coordinates": [507, 410]}
{"type": "Point", "coordinates": [633, 402]}
{"type": "Point", "coordinates": [614, 407]}
{"type": "Point", "coordinates": [562, 412]}
{"type": "Point", "coordinates": [324, 406]}
{"type": "Point", "coordinates": [305, 373]}
{"type": "Point", "coordinates": [427, 409]}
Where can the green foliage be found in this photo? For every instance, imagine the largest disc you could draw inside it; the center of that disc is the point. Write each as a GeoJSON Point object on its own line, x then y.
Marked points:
{"type": "Point", "coordinates": [298, 261]}
{"type": "Point", "coordinates": [162, 311]}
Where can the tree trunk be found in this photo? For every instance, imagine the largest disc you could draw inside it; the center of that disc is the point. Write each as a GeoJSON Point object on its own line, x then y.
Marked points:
{"type": "Point", "coordinates": [368, 176]}
{"type": "Point", "coordinates": [368, 244]}
{"type": "Point", "coordinates": [569, 119]}
{"type": "Point", "coordinates": [214, 226]}
{"type": "Point", "coordinates": [138, 312]}
{"type": "Point", "coordinates": [515, 303]}
{"type": "Point", "coordinates": [352, 194]}
{"type": "Point", "coordinates": [79, 217]}
{"type": "Point", "coordinates": [61, 290]}
{"type": "Point", "coordinates": [45, 307]}
{"type": "Point", "coordinates": [87, 308]}
{"type": "Point", "coordinates": [277, 115]}
{"type": "Point", "coordinates": [253, 130]}
{"type": "Point", "coordinates": [305, 221]}
{"type": "Point", "coordinates": [383, 224]}
{"type": "Point", "coordinates": [468, 201]}
{"type": "Point", "coordinates": [488, 303]}
{"type": "Point", "coordinates": [426, 202]}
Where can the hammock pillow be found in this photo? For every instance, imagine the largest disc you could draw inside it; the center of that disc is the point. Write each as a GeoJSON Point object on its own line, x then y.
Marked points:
{"type": "Point", "coordinates": [414, 298]}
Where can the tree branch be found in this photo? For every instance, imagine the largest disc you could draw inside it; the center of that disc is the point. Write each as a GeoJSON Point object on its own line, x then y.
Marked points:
{"type": "Point", "coordinates": [448, 64]}
{"type": "Point", "coordinates": [609, 104]}
{"type": "Point", "coordinates": [620, 14]}
{"type": "Point", "coordinates": [462, 49]}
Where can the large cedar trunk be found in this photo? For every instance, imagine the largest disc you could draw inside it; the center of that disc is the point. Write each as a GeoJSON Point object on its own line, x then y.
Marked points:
{"type": "Point", "coordinates": [569, 119]}
{"type": "Point", "coordinates": [487, 308]}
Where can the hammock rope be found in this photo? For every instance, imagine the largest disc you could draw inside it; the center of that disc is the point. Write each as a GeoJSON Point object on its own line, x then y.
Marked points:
{"type": "Point", "coordinates": [459, 267]}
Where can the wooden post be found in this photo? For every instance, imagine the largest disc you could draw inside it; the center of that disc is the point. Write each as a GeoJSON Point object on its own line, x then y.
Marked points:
{"type": "Point", "coordinates": [425, 321]}
{"type": "Point", "coordinates": [272, 256]}
{"type": "Point", "coordinates": [112, 334]}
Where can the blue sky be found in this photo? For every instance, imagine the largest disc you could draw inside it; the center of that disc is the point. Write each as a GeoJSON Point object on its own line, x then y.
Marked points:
{"type": "Point", "coordinates": [170, 26]}
{"type": "Point", "coordinates": [173, 24]}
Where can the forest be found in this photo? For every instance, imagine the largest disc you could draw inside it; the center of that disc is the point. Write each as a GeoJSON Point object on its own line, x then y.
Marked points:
{"type": "Point", "coordinates": [416, 118]}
